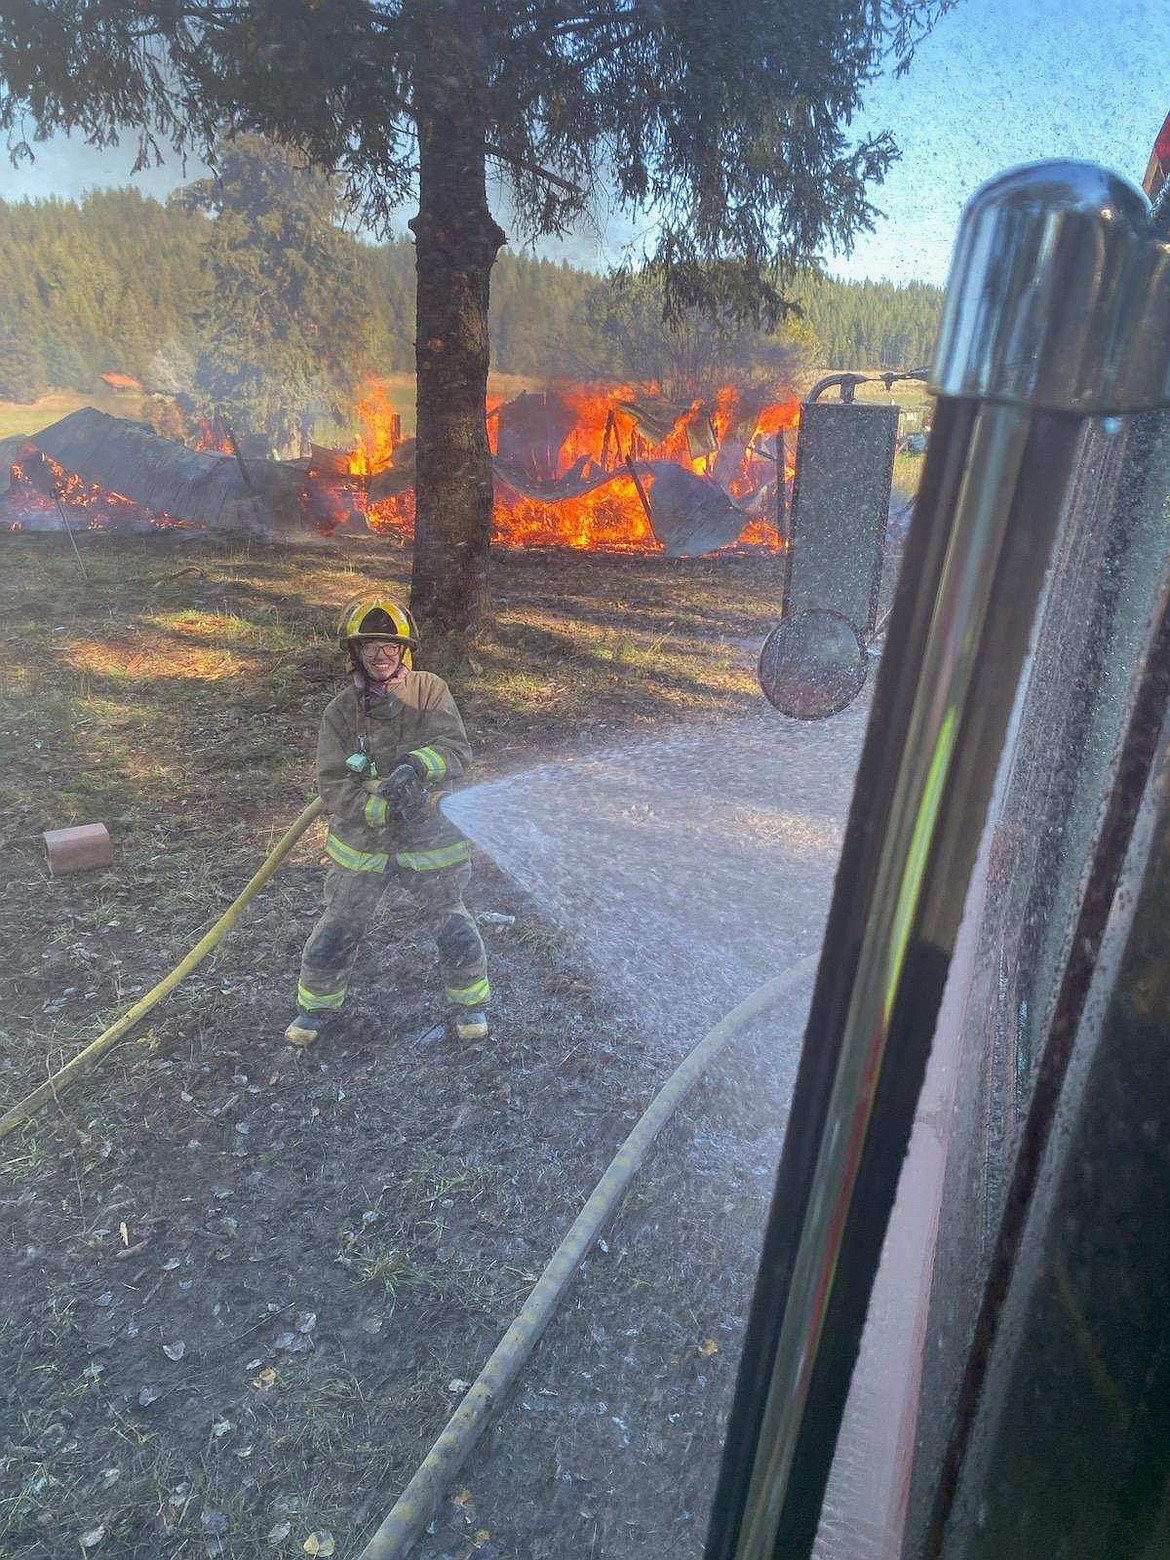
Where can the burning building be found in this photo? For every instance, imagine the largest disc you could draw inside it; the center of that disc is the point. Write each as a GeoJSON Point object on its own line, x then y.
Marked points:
{"type": "Point", "coordinates": [107, 473]}
{"type": "Point", "coordinates": [615, 469]}
{"type": "Point", "coordinates": [627, 470]}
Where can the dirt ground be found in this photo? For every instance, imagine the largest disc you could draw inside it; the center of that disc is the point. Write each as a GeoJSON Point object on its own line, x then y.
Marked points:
{"type": "Point", "coordinates": [246, 1287]}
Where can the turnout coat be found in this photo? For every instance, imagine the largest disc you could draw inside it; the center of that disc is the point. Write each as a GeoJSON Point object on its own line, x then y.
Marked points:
{"type": "Point", "coordinates": [415, 717]}
{"type": "Point", "coordinates": [371, 849]}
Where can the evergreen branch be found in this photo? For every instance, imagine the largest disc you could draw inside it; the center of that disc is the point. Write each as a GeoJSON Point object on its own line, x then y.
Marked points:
{"type": "Point", "coordinates": [526, 165]}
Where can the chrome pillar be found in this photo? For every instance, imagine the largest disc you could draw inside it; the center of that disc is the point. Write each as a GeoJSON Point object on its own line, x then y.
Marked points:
{"type": "Point", "coordinates": [1056, 313]}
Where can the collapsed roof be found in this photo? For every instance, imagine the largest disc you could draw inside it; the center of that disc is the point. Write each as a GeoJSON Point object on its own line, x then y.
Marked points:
{"type": "Point", "coordinates": [689, 513]}
{"type": "Point", "coordinates": [131, 459]}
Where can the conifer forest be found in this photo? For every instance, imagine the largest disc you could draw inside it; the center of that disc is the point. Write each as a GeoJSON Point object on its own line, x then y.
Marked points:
{"type": "Point", "coordinates": [122, 283]}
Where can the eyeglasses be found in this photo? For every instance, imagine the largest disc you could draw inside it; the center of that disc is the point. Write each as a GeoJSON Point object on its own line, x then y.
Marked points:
{"type": "Point", "coordinates": [373, 651]}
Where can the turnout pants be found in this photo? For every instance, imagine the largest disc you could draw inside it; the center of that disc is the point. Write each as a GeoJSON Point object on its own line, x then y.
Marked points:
{"type": "Point", "coordinates": [351, 898]}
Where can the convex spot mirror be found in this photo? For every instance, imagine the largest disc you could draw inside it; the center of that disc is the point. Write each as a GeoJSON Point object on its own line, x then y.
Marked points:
{"type": "Point", "coordinates": [813, 664]}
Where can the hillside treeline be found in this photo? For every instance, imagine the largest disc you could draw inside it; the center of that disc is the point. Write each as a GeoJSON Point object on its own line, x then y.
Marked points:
{"type": "Point", "coordinates": [119, 282]}
{"type": "Point", "coordinates": [873, 324]}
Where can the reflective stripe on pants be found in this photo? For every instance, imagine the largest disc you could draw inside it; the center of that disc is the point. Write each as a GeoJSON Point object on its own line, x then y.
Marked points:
{"type": "Point", "coordinates": [351, 898]}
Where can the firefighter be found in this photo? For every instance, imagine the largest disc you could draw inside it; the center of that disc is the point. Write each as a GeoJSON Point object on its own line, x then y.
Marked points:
{"type": "Point", "coordinates": [389, 746]}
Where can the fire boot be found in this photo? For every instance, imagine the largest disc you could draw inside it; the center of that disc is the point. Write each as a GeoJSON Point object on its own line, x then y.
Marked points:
{"type": "Point", "coordinates": [307, 1028]}
{"type": "Point", "coordinates": [468, 1023]}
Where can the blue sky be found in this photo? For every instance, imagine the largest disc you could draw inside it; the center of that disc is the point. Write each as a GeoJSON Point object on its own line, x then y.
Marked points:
{"type": "Point", "coordinates": [1003, 82]}
{"type": "Point", "coordinates": [999, 82]}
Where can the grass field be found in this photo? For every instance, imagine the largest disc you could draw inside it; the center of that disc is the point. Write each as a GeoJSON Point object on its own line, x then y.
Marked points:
{"type": "Point", "coordinates": [244, 1285]}
{"type": "Point", "coordinates": [916, 405]}
{"type": "Point", "coordinates": [31, 416]}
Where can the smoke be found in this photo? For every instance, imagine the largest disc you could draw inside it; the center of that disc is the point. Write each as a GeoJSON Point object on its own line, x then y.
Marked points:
{"type": "Point", "coordinates": [65, 167]}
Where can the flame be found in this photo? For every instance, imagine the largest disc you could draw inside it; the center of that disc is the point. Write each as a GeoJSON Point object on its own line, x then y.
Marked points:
{"type": "Point", "coordinates": [776, 417]}
{"type": "Point", "coordinates": [610, 518]}
{"type": "Point", "coordinates": [758, 536]}
{"type": "Point", "coordinates": [212, 437]}
{"type": "Point", "coordinates": [38, 484]}
{"type": "Point", "coordinates": [381, 429]}
{"type": "Point", "coordinates": [491, 407]}
{"type": "Point", "coordinates": [336, 488]}
{"type": "Point", "coordinates": [393, 514]}
{"type": "Point", "coordinates": [607, 436]}
{"type": "Point", "coordinates": [593, 406]}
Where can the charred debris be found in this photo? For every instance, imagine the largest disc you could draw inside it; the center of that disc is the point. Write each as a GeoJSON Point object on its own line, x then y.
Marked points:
{"type": "Point", "coordinates": [613, 469]}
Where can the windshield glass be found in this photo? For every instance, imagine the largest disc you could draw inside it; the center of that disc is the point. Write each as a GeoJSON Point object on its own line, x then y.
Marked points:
{"type": "Point", "coordinates": [409, 1194]}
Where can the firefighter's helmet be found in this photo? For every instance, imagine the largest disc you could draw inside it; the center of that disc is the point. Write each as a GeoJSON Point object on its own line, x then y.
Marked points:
{"type": "Point", "coordinates": [377, 617]}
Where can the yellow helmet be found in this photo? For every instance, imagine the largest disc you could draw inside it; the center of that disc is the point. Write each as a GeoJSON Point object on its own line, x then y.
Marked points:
{"type": "Point", "coordinates": [377, 617]}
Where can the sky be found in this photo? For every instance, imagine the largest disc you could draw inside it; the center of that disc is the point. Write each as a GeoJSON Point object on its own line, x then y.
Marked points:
{"type": "Point", "coordinates": [1004, 82]}
{"type": "Point", "coordinates": [998, 83]}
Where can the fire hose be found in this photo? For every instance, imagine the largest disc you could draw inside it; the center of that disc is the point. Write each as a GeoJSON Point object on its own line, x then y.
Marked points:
{"type": "Point", "coordinates": [416, 1505]}
{"type": "Point", "coordinates": [414, 1508]}
{"type": "Point", "coordinates": [92, 1053]}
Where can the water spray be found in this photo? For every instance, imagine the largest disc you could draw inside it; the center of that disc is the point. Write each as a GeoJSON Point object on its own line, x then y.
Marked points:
{"type": "Point", "coordinates": [414, 1508]}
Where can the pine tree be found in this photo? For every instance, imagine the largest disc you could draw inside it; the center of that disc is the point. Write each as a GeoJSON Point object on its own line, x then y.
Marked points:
{"type": "Point", "coordinates": [722, 117]}
{"type": "Point", "coordinates": [282, 323]}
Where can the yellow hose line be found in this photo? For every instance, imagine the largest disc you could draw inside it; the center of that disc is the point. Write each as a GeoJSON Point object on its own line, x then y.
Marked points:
{"type": "Point", "coordinates": [416, 1505]}
{"type": "Point", "coordinates": [93, 1052]}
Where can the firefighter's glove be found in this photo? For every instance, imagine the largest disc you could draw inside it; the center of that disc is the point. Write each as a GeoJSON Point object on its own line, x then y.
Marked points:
{"type": "Point", "coordinates": [401, 796]}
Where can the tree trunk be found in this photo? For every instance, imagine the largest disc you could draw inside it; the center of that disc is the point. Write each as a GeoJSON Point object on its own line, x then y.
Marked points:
{"type": "Point", "coordinates": [456, 241]}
